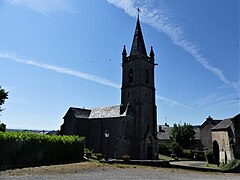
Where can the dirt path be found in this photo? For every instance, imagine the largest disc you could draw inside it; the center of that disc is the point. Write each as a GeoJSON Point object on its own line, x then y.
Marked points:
{"type": "Point", "coordinates": [95, 170]}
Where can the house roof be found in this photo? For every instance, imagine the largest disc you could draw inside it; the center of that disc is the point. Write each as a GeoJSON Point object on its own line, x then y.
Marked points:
{"type": "Point", "coordinates": [101, 112]}
{"type": "Point", "coordinates": [215, 122]}
{"type": "Point", "coordinates": [210, 120]}
{"type": "Point", "coordinates": [164, 134]}
{"type": "Point", "coordinates": [226, 123]}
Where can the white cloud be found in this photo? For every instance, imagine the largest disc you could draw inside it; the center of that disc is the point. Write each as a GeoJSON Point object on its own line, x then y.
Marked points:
{"type": "Point", "coordinates": [158, 18]}
{"type": "Point", "coordinates": [44, 6]}
{"type": "Point", "coordinates": [62, 70]}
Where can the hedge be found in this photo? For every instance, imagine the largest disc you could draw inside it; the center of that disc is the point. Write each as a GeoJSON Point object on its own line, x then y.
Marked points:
{"type": "Point", "coordinates": [24, 148]}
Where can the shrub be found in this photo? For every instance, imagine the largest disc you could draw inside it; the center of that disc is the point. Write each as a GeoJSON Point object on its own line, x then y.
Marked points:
{"type": "Point", "coordinates": [176, 149]}
{"type": "Point", "coordinates": [23, 148]}
{"type": "Point", "coordinates": [209, 156]}
{"type": "Point", "coordinates": [199, 155]}
{"type": "Point", "coordinates": [187, 153]}
{"type": "Point", "coordinates": [164, 149]}
{"type": "Point", "coordinates": [88, 153]}
{"type": "Point", "coordinates": [99, 156]}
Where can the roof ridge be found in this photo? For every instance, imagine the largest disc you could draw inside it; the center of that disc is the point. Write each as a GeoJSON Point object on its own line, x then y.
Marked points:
{"type": "Point", "coordinates": [105, 107]}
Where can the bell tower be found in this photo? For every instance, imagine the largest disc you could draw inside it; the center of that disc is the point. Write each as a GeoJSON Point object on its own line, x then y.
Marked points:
{"type": "Point", "coordinates": [138, 94]}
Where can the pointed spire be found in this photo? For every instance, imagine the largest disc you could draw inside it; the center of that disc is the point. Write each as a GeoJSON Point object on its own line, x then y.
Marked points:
{"type": "Point", "coordinates": [138, 46]}
{"type": "Point", "coordinates": [151, 53]}
{"type": "Point", "coordinates": [124, 53]}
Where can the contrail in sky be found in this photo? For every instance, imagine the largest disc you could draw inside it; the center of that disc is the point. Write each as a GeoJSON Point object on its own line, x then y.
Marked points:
{"type": "Point", "coordinates": [44, 6]}
{"type": "Point", "coordinates": [158, 19]}
{"type": "Point", "coordinates": [81, 75]}
{"type": "Point", "coordinates": [62, 70]}
{"type": "Point", "coordinates": [173, 103]}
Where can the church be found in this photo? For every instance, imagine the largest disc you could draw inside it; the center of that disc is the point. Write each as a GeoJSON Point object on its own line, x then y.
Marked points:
{"type": "Point", "coordinates": [132, 124]}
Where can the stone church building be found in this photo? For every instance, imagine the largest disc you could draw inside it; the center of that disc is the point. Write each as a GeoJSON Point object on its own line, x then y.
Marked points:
{"type": "Point", "coordinates": [132, 124]}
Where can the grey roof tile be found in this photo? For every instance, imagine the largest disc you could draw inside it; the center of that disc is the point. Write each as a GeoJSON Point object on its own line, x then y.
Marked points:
{"type": "Point", "coordinates": [105, 112]}
{"type": "Point", "coordinates": [101, 112]}
{"type": "Point", "coordinates": [80, 112]}
{"type": "Point", "coordinates": [226, 123]}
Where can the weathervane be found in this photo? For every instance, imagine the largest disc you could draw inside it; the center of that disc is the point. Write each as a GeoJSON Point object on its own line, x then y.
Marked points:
{"type": "Point", "coordinates": [138, 11]}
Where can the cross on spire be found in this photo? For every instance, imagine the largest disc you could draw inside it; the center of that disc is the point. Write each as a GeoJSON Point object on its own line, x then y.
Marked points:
{"type": "Point", "coordinates": [138, 11]}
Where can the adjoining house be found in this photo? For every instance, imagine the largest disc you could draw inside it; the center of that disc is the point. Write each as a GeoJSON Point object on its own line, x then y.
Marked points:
{"type": "Point", "coordinates": [205, 131]}
{"type": "Point", "coordinates": [164, 136]}
{"type": "Point", "coordinates": [226, 139]}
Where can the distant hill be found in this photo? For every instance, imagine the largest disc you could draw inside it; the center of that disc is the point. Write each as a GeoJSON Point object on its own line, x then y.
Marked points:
{"type": "Point", "coordinates": [53, 132]}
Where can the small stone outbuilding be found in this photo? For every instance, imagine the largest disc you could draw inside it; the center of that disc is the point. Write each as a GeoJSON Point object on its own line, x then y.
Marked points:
{"type": "Point", "coordinates": [226, 139]}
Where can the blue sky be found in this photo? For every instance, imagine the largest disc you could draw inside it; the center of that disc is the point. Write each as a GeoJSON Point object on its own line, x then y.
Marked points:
{"type": "Point", "coordinates": [60, 53]}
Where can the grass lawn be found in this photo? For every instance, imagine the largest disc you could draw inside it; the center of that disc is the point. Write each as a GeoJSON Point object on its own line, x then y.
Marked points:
{"type": "Point", "coordinates": [163, 157]}
{"type": "Point", "coordinates": [212, 166]}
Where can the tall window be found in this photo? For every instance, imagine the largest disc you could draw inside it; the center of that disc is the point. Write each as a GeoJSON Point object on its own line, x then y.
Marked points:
{"type": "Point", "coordinates": [130, 75]}
{"type": "Point", "coordinates": [147, 76]}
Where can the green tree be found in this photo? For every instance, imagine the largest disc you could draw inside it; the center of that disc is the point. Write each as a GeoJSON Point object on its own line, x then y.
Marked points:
{"type": "Point", "coordinates": [2, 127]}
{"type": "Point", "coordinates": [183, 135]}
{"type": "Point", "coordinates": [3, 97]}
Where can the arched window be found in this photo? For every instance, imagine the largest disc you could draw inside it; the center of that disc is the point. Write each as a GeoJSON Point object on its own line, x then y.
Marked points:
{"type": "Point", "coordinates": [130, 75]}
{"type": "Point", "coordinates": [147, 76]}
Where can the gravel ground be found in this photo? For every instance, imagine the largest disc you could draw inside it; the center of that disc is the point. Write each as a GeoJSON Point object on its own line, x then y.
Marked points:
{"type": "Point", "coordinates": [98, 171]}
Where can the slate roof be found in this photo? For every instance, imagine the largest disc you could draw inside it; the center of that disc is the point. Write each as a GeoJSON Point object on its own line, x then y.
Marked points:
{"type": "Point", "coordinates": [102, 112]}
{"type": "Point", "coordinates": [225, 124]}
{"type": "Point", "coordinates": [215, 122]}
{"type": "Point", "coordinates": [164, 133]}
{"type": "Point", "coordinates": [106, 112]}
{"type": "Point", "coordinates": [80, 113]}
{"type": "Point", "coordinates": [210, 120]}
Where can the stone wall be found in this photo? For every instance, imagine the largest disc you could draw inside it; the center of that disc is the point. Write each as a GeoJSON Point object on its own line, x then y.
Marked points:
{"type": "Point", "coordinates": [225, 148]}
{"type": "Point", "coordinates": [206, 135]}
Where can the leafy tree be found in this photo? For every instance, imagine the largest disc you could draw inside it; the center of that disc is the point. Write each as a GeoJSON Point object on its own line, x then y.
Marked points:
{"type": "Point", "coordinates": [3, 97]}
{"type": "Point", "coordinates": [2, 127]}
{"type": "Point", "coordinates": [182, 134]}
